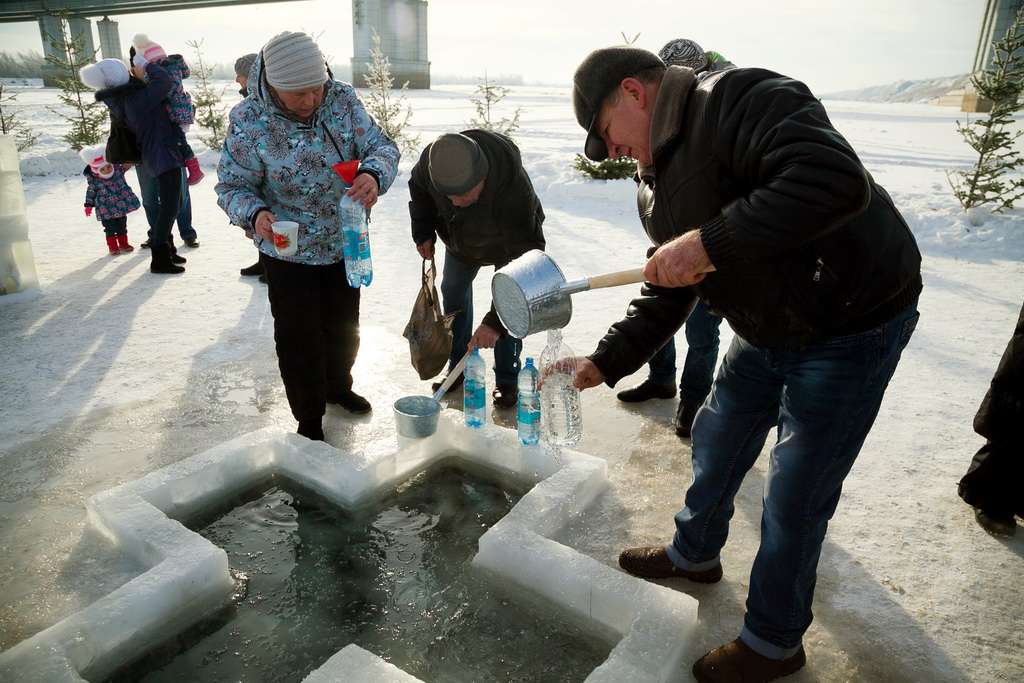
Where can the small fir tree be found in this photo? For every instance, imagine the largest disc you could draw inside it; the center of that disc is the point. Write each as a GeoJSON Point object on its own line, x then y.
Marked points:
{"type": "Point", "coordinates": [609, 169]}
{"type": "Point", "coordinates": [10, 124]}
{"type": "Point", "coordinates": [486, 97]}
{"type": "Point", "coordinates": [988, 182]}
{"type": "Point", "coordinates": [391, 112]}
{"type": "Point", "coordinates": [86, 116]}
{"type": "Point", "coordinates": [210, 112]}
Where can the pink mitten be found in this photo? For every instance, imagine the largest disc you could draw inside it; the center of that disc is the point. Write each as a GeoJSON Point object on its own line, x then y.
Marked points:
{"type": "Point", "coordinates": [88, 211]}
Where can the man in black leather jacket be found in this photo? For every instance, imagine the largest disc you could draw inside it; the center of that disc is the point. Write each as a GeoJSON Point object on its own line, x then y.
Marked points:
{"type": "Point", "coordinates": [471, 190]}
{"type": "Point", "coordinates": [763, 211]}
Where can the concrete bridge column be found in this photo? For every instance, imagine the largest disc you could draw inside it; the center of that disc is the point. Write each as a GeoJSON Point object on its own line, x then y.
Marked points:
{"type": "Point", "coordinates": [110, 39]}
{"type": "Point", "coordinates": [81, 32]}
{"type": "Point", "coordinates": [51, 31]}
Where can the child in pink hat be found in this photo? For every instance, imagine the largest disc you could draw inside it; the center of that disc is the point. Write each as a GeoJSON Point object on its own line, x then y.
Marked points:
{"type": "Point", "coordinates": [109, 194]}
{"type": "Point", "coordinates": [179, 102]}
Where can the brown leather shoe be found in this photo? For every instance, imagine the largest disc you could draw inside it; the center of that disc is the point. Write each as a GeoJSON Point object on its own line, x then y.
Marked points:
{"type": "Point", "coordinates": [653, 562]}
{"type": "Point", "coordinates": [735, 662]}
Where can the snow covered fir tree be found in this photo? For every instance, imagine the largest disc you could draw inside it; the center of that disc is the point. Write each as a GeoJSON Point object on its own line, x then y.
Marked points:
{"type": "Point", "coordinates": [86, 117]}
{"type": "Point", "coordinates": [210, 111]}
{"type": "Point", "coordinates": [391, 111]}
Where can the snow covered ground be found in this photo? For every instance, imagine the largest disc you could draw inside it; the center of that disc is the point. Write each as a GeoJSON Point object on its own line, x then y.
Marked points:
{"type": "Point", "coordinates": [112, 373]}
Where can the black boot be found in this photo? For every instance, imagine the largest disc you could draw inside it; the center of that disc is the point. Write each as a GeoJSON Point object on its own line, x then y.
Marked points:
{"type": "Point", "coordinates": [350, 401]}
{"type": "Point", "coordinates": [455, 385]}
{"type": "Point", "coordinates": [647, 390]}
{"type": "Point", "coordinates": [311, 429]}
{"type": "Point", "coordinates": [684, 418]}
{"type": "Point", "coordinates": [161, 261]}
{"type": "Point", "coordinates": [174, 254]}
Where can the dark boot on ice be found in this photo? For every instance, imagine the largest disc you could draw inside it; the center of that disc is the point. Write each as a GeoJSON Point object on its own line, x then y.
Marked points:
{"type": "Point", "coordinates": [685, 413]}
{"type": "Point", "coordinates": [505, 395]}
{"type": "Point", "coordinates": [350, 401]}
{"type": "Point", "coordinates": [174, 254]}
{"type": "Point", "coordinates": [122, 243]}
{"type": "Point", "coordinates": [996, 523]}
{"type": "Point", "coordinates": [112, 246]}
{"type": "Point", "coordinates": [455, 385]}
{"type": "Point", "coordinates": [735, 662]}
{"type": "Point", "coordinates": [653, 562]}
{"type": "Point", "coordinates": [645, 391]}
{"type": "Point", "coordinates": [161, 261]}
{"type": "Point", "coordinates": [311, 429]}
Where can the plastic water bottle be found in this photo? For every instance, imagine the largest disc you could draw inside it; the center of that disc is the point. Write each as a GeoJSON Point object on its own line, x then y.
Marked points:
{"type": "Point", "coordinates": [561, 415]}
{"type": "Point", "coordinates": [358, 267]}
{"type": "Point", "coordinates": [355, 232]}
{"type": "Point", "coordinates": [474, 388]}
{"type": "Point", "coordinates": [529, 405]}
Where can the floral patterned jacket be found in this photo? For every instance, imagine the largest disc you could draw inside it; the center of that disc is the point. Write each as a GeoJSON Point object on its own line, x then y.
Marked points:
{"type": "Point", "coordinates": [179, 102]}
{"type": "Point", "coordinates": [111, 197]}
{"type": "Point", "coordinates": [273, 162]}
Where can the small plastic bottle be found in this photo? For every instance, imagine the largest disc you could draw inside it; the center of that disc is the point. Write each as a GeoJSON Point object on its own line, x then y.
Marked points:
{"type": "Point", "coordinates": [354, 230]}
{"type": "Point", "coordinates": [474, 390]}
{"type": "Point", "coordinates": [528, 414]}
{"type": "Point", "coordinates": [561, 414]}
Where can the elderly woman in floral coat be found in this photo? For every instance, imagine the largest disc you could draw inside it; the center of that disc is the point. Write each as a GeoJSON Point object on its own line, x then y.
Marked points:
{"type": "Point", "coordinates": [277, 165]}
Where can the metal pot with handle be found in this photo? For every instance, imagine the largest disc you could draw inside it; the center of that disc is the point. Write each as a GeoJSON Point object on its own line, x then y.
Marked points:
{"type": "Point", "coordinates": [531, 294]}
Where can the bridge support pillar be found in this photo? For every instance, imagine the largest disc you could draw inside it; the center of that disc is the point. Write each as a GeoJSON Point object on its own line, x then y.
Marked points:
{"type": "Point", "coordinates": [81, 33]}
{"type": "Point", "coordinates": [110, 39]}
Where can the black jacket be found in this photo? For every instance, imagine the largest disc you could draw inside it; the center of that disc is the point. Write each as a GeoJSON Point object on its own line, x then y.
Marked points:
{"type": "Point", "coordinates": [806, 245]}
{"type": "Point", "coordinates": [503, 224]}
{"type": "Point", "coordinates": [143, 109]}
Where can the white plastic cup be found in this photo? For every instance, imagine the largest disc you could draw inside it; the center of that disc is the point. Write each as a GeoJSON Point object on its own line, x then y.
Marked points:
{"type": "Point", "coordinates": [286, 237]}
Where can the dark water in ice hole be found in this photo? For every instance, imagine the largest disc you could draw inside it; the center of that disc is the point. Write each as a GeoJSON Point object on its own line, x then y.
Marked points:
{"type": "Point", "coordinates": [394, 579]}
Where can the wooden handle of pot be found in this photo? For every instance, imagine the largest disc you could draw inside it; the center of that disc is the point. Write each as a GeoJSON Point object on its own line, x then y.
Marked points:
{"type": "Point", "coordinates": [623, 277]}
{"type": "Point", "coordinates": [452, 376]}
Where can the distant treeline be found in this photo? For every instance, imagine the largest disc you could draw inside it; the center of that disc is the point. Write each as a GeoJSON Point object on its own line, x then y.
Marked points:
{"type": "Point", "coordinates": [21, 65]}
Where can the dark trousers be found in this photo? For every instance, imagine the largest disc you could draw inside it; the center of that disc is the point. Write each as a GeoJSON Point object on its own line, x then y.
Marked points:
{"type": "Point", "coordinates": [150, 189]}
{"type": "Point", "coordinates": [168, 186]}
{"type": "Point", "coordinates": [316, 330]}
{"type": "Point", "coordinates": [701, 357]}
{"type": "Point", "coordinates": [112, 227]}
{"type": "Point", "coordinates": [457, 295]}
{"type": "Point", "coordinates": [823, 399]}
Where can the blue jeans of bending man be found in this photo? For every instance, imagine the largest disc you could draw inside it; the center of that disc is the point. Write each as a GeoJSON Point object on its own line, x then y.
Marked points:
{"type": "Point", "coordinates": [457, 295]}
{"type": "Point", "coordinates": [701, 357]}
{"type": "Point", "coordinates": [823, 399]}
{"type": "Point", "coordinates": [151, 204]}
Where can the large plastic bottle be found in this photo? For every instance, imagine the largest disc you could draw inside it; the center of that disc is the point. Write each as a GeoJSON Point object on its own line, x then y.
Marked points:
{"type": "Point", "coordinates": [474, 390]}
{"type": "Point", "coordinates": [354, 230]}
{"type": "Point", "coordinates": [528, 414]}
{"type": "Point", "coordinates": [561, 415]}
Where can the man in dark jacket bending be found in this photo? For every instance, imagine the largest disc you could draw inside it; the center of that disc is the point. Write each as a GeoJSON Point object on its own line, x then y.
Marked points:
{"type": "Point", "coordinates": [471, 190]}
{"type": "Point", "coordinates": [763, 211]}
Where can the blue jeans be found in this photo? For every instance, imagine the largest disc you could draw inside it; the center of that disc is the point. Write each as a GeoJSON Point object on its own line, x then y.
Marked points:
{"type": "Point", "coordinates": [701, 357]}
{"type": "Point", "coordinates": [151, 204]}
{"type": "Point", "coordinates": [457, 295]}
{"type": "Point", "coordinates": [824, 399]}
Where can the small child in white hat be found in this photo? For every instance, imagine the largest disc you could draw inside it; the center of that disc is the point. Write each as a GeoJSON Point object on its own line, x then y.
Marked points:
{"type": "Point", "coordinates": [111, 197]}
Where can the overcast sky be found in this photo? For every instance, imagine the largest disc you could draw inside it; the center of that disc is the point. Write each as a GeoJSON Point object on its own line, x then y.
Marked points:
{"type": "Point", "coordinates": [830, 44]}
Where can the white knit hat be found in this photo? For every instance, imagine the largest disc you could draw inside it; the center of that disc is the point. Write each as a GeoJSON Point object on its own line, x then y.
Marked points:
{"type": "Point", "coordinates": [104, 74]}
{"type": "Point", "coordinates": [150, 51]}
{"type": "Point", "coordinates": [96, 158]}
{"type": "Point", "coordinates": [293, 61]}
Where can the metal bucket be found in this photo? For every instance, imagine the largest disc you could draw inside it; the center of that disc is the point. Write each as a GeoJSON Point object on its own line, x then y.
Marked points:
{"type": "Point", "coordinates": [416, 416]}
{"type": "Point", "coordinates": [527, 295]}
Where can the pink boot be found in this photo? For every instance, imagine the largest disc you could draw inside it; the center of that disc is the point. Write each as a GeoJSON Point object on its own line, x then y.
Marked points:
{"type": "Point", "coordinates": [195, 174]}
{"type": "Point", "coordinates": [112, 245]}
{"type": "Point", "coordinates": [122, 243]}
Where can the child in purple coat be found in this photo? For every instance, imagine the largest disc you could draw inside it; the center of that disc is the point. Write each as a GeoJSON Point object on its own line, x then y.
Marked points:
{"type": "Point", "coordinates": [109, 194]}
{"type": "Point", "coordinates": [179, 102]}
